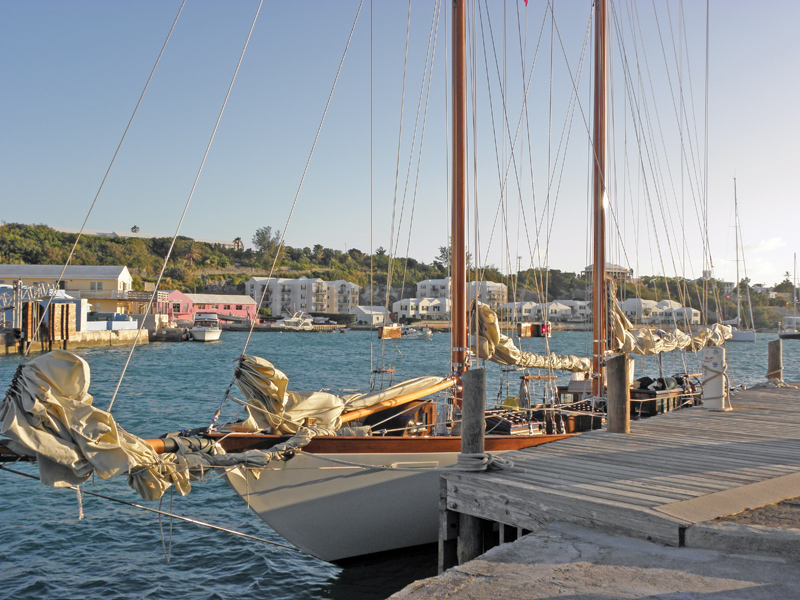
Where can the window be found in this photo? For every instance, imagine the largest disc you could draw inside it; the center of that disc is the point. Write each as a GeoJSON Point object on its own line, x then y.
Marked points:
{"type": "Point", "coordinates": [238, 307]}
{"type": "Point", "coordinates": [96, 286]}
{"type": "Point", "coordinates": [176, 307]}
{"type": "Point", "coordinates": [201, 306]}
{"type": "Point", "coordinates": [226, 307]}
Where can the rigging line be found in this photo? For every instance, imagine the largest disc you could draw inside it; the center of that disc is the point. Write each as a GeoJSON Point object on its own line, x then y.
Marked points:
{"type": "Point", "coordinates": [305, 169]}
{"type": "Point", "coordinates": [397, 166]}
{"type": "Point", "coordinates": [371, 194]}
{"type": "Point", "coordinates": [566, 131]}
{"type": "Point", "coordinates": [429, 73]}
{"type": "Point", "coordinates": [644, 149]}
{"type": "Point", "coordinates": [108, 170]}
{"type": "Point", "coordinates": [188, 201]}
{"type": "Point", "coordinates": [663, 208]}
{"type": "Point", "coordinates": [681, 112]}
{"type": "Point", "coordinates": [161, 513]}
{"type": "Point", "coordinates": [504, 119]}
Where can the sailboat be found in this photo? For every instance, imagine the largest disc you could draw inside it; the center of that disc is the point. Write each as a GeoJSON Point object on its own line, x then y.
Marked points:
{"type": "Point", "coordinates": [790, 332]}
{"type": "Point", "coordinates": [334, 490]}
{"type": "Point", "coordinates": [739, 334]}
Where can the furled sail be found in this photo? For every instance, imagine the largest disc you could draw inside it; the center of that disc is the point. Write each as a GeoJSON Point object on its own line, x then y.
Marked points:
{"type": "Point", "coordinates": [499, 348]}
{"type": "Point", "coordinates": [650, 340]}
{"type": "Point", "coordinates": [272, 406]}
{"type": "Point", "coordinates": [48, 413]}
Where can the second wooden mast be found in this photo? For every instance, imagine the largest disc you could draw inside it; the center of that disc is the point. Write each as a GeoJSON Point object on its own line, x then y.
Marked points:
{"type": "Point", "coordinates": [599, 299]}
{"type": "Point", "coordinates": [458, 252]}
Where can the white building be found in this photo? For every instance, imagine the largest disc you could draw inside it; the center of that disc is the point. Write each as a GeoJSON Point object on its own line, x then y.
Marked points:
{"type": "Point", "coordinates": [434, 288]}
{"type": "Point", "coordinates": [489, 292]}
{"type": "Point", "coordinates": [289, 296]}
{"type": "Point", "coordinates": [557, 311]}
{"type": "Point", "coordinates": [341, 296]}
{"type": "Point", "coordinates": [412, 308]}
{"type": "Point", "coordinates": [681, 316]}
{"type": "Point", "coordinates": [439, 308]}
{"type": "Point", "coordinates": [640, 311]}
{"type": "Point", "coordinates": [525, 311]}
{"type": "Point", "coordinates": [581, 311]}
{"type": "Point", "coordinates": [370, 315]}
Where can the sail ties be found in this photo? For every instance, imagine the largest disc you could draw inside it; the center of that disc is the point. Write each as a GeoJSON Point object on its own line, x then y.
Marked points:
{"type": "Point", "coordinates": [495, 346]}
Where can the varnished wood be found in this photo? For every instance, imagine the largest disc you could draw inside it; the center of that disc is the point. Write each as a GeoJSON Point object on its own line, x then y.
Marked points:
{"type": "Point", "coordinates": [398, 401]}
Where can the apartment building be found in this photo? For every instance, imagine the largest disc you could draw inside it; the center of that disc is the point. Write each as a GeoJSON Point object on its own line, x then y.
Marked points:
{"type": "Point", "coordinates": [289, 296]}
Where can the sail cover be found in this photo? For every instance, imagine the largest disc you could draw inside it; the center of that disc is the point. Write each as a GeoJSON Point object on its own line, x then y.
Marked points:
{"type": "Point", "coordinates": [650, 340]}
{"type": "Point", "coordinates": [271, 404]}
{"type": "Point", "coordinates": [48, 413]}
{"type": "Point", "coordinates": [499, 348]}
{"type": "Point", "coordinates": [496, 347]}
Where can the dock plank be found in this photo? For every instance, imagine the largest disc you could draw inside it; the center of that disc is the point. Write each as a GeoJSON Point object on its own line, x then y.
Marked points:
{"type": "Point", "coordinates": [671, 471]}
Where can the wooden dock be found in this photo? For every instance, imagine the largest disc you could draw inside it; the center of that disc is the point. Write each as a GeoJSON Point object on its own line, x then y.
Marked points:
{"type": "Point", "coordinates": [671, 472]}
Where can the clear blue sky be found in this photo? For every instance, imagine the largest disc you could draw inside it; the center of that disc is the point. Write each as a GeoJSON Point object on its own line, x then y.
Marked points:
{"type": "Point", "coordinates": [72, 73]}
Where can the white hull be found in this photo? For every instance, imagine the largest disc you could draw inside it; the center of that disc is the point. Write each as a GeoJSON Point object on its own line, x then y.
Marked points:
{"type": "Point", "coordinates": [742, 336]}
{"type": "Point", "coordinates": [335, 511]}
{"type": "Point", "coordinates": [202, 334]}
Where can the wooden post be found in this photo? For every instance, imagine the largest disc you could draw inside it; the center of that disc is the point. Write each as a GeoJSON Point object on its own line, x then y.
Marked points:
{"type": "Point", "coordinates": [775, 360]}
{"type": "Point", "coordinates": [619, 395]}
{"type": "Point", "coordinates": [473, 425]}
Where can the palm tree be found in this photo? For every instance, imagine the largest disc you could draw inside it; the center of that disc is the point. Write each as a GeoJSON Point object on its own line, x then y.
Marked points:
{"type": "Point", "coordinates": [192, 253]}
{"type": "Point", "coordinates": [135, 229]}
{"type": "Point", "coordinates": [238, 244]}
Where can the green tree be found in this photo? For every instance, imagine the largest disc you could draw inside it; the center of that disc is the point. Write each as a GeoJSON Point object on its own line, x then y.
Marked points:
{"type": "Point", "coordinates": [264, 240]}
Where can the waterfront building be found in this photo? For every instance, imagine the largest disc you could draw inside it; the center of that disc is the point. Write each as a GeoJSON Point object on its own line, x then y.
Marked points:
{"type": "Point", "coordinates": [640, 311]}
{"type": "Point", "coordinates": [341, 296]}
{"type": "Point", "coordinates": [184, 306]}
{"type": "Point", "coordinates": [412, 308]}
{"type": "Point", "coordinates": [107, 288]}
{"type": "Point", "coordinates": [434, 288]}
{"type": "Point", "coordinates": [289, 296]}
{"type": "Point", "coordinates": [370, 315]}
{"type": "Point", "coordinates": [489, 292]}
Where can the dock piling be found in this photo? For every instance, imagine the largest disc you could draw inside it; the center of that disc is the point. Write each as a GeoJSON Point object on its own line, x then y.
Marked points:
{"type": "Point", "coordinates": [775, 359]}
{"type": "Point", "coordinates": [619, 396]}
{"type": "Point", "coordinates": [473, 426]}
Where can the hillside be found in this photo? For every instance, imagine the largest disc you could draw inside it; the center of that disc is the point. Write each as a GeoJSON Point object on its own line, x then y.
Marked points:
{"type": "Point", "coordinates": [199, 266]}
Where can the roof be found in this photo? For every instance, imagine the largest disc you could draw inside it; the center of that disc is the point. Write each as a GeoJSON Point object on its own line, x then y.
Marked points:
{"type": "Point", "coordinates": [72, 271]}
{"type": "Point", "coordinates": [220, 299]}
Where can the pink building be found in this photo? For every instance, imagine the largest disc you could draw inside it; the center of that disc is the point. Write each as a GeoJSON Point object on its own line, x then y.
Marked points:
{"type": "Point", "coordinates": [184, 306]}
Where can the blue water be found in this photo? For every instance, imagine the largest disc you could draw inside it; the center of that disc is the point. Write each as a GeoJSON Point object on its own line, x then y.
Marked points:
{"type": "Point", "coordinates": [116, 551]}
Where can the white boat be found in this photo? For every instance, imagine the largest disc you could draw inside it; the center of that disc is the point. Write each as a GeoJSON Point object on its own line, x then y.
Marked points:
{"type": "Point", "coordinates": [414, 333]}
{"type": "Point", "coordinates": [206, 327]}
{"type": "Point", "coordinates": [746, 334]}
{"type": "Point", "coordinates": [297, 322]}
{"type": "Point", "coordinates": [338, 495]}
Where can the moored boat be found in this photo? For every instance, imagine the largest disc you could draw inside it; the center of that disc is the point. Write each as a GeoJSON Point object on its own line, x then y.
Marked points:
{"type": "Point", "coordinates": [206, 327]}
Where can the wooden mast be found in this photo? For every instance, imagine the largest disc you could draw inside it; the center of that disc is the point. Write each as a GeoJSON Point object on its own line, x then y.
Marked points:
{"type": "Point", "coordinates": [458, 309]}
{"type": "Point", "coordinates": [599, 300]}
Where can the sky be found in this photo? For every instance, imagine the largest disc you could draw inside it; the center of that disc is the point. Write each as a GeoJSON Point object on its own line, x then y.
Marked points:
{"type": "Point", "coordinates": [72, 74]}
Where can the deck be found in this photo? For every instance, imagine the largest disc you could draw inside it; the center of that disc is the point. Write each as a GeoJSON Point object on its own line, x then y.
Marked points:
{"type": "Point", "coordinates": [670, 472]}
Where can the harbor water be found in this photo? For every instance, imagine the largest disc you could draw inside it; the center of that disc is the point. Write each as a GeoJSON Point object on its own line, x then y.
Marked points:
{"type": "Point", "coordinates": [118, 551]}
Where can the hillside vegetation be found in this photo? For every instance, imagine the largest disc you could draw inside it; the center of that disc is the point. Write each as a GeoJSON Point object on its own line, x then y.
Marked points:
{"type": "Point", "coordinates": [198, 266]}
